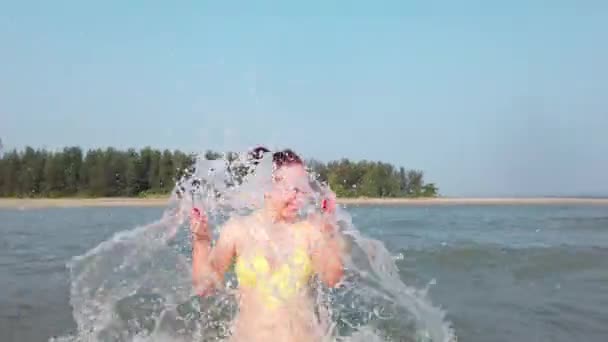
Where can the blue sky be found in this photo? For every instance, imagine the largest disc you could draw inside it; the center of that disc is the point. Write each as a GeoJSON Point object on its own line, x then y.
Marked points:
{"type": "Point", "coordinates": [488, 99]}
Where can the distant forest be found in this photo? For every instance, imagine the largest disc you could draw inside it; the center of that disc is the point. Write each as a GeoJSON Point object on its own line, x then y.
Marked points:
{"type": "Point", "coordinates": [110, 173]}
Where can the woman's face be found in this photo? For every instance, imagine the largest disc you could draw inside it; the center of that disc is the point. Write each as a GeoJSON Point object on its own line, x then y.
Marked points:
{"type": "Point", "coordinates": [291, 187]}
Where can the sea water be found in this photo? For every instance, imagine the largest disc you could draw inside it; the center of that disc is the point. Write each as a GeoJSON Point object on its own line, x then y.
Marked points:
{"type": "Point", "coordinates": [137, 285]}
{"type": "Point", "coordinates": [499, 273]}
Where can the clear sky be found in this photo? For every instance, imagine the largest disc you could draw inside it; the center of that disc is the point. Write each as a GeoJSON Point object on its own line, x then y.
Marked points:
{"type": "Point", "coordinates": [509, 98]}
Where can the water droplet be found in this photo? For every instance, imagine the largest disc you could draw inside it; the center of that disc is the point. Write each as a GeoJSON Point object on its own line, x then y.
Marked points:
{"type": "Point", "coordinates": [423, 336]}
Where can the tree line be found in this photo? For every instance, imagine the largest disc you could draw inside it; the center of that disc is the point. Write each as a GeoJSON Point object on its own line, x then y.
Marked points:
{"type": "Point", "coordinates": [111, 172]}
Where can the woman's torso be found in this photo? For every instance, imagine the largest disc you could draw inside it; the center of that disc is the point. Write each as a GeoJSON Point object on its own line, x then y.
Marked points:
{"type": "Point", "coordinates": [273, 268]}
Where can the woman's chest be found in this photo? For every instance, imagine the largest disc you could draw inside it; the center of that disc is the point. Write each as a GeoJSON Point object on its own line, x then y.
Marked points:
{"type": "Point", "coordinates": [274, 247]}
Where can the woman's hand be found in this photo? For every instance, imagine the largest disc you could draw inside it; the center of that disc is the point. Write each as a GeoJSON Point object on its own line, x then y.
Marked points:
{"type": "Point", "coordinates": [328, 222]}
{"type": "Point", "coordinates": [326, 243]}
{"type": "Point", "coordinates": [199, 226]}
{"type": "Point", "coordinates": [328, 205]}
{"type": "Point", "coordinates": [202, 271]}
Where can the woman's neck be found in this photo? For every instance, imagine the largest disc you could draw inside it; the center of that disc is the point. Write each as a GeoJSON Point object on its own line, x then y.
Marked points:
{"type": "Point", "coordinates": [275, 216]}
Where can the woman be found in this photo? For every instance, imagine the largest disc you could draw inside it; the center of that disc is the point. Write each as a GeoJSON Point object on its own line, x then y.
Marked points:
{"type": "Point", "coordinates": [275, 254]}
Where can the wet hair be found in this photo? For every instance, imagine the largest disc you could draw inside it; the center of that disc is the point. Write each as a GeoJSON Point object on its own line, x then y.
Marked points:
{"type": "Point", "coordinates": [280, 158]}
{"type": "Point", "coordinates": [258, 153]}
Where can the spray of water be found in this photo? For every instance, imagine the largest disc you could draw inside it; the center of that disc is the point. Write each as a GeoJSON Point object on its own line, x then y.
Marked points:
{"type": "Point", "coordinates": [137, 286]}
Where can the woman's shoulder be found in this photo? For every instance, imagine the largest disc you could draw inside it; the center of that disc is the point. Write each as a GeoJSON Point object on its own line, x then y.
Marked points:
{"type": "Point", "coordinates": [307, 228]}
{"type": "Point", "coordinates": [239, 222]}
{"type": "Point", "coordinates": [312, 221]}
{"type": "Point", "coordinates": [305, 225]}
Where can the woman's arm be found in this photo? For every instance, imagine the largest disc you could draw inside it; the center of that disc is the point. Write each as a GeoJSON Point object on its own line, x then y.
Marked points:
{"type": "Point", "coordinates": [327, 250]}
{"type": "Point", "coordinates": [210, 263]}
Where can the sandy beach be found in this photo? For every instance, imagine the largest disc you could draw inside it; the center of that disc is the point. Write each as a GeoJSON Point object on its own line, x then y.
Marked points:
{"type": "Point", "coordinates": [160, 202]}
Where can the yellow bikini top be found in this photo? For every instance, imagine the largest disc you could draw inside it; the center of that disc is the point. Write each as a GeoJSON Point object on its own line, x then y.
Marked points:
{"type": "Point", "coordinates": [279, 284]}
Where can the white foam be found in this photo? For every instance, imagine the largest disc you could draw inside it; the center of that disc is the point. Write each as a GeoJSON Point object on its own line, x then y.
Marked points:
{"type": "Point", "coordinates": [136, 286]}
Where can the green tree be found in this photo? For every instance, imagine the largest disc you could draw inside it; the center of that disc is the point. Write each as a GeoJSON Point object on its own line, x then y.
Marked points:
{"type": "Point", "coordinates": [380, 180]}
{"type": "Point", "coordinates": [112, 172]}
{"type": "Point", "coordinates": [72, 163]}
{"type": "Point", "coordinates": [211, 155]}
{"type": "Point", "coordinates": [94, 173]}
{"type": "Point", "coordinates": [12, 169]}
{"type": "Point", "coordinates": [389, 180]}
{"type": "Point", "coordinates": [134, 174]}
{"type": "Point", "coordinates": [31, 174]}
{"type": "Point", "coordinates": [319, 168]}
{"type": "Point", "coordinates": [181, 163]}
{"type": "Point", "coordinates": [115, 170]}
{"type": "Point", "coordinates": [54, 176]}
{"type": "Point", "coordinates": [2, 166]}
{"type": "Point", "coordinates": [415, 183]}
{"type": "Point", "coordinates": [84, 179]}
{"type": "Point", "coordinates": [346, 177]}
{"type": "Point", "coordinates": [429, 190]}
{"type": "Point", "coordinates": [166, 171]}
{"type": "Point", "coordinates": [403, 183]}
{"type": "Point", "coordinates": [154, 172]}
{"type": "Point", "coordinates": [146, 155]}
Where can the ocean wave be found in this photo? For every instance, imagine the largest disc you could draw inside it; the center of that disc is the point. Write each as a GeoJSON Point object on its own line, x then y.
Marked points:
{"type": "Point", "coordinates": [523, 263]}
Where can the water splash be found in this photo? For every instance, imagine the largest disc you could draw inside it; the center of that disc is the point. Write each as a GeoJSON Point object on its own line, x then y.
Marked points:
{"type": "Point", "coordinates": [136, 286]}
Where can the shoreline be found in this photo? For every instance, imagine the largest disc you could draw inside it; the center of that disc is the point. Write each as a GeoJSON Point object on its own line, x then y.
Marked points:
{"type": "Point", "coordinates": [163, 201]}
